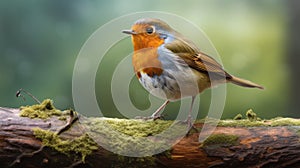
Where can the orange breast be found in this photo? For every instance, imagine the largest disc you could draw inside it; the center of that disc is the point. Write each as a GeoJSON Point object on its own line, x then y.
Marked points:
{"type": "Point", "coordinates": [145, 57]}
{"type": "Point", "coordinates": [146, 60]}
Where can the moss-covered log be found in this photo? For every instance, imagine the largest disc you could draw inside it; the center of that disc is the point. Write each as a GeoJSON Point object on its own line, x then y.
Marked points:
{"type": "Point", "coordinates": [30, 138]}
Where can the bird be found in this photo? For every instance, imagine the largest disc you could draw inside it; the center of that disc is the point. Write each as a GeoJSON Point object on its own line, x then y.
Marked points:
{"type": "Point", "coordinates": [171, 67]}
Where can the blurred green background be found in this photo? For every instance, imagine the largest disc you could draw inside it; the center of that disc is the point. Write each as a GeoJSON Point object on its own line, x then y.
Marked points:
{"type": "Point", "coordinates": [40, 40]}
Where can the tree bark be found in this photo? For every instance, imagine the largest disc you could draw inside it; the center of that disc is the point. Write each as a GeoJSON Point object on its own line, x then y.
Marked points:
{"type": "Point", "coordinates": [261, 146]}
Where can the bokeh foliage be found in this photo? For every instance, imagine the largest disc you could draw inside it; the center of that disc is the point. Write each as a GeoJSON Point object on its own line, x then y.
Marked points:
{"type": "Point", "coordinates": [40, 40]}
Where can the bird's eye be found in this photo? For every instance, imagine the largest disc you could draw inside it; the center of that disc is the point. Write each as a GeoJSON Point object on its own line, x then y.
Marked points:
{"type": "Point", "coordinates": [150, 30]}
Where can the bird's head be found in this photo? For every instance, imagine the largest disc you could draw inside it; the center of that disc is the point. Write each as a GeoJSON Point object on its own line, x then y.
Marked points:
{"type": "Point", "coordinates": [149, 32]}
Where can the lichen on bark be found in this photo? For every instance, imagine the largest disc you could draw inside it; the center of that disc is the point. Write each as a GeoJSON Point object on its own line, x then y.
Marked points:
{"type": "Point", "coordinates": [81, 146]}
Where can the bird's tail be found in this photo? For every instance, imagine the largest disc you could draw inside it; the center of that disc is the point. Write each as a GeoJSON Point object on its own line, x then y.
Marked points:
{"type": "Point", "coordinates": [244, 83]}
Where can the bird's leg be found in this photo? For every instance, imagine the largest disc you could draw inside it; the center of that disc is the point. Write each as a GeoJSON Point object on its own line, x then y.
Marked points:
{"type": "Point", "coordinates": [156, 114]}
{"type": "Point", "coordinates": [189, 118]}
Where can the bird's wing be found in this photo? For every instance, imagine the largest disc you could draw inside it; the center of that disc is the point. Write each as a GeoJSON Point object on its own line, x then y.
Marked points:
{"type": "Point", "coordinates": [197, 59]}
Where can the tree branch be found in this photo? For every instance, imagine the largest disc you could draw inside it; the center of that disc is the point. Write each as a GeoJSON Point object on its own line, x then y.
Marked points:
{"type": "Point", "coordinates": [244, 143]}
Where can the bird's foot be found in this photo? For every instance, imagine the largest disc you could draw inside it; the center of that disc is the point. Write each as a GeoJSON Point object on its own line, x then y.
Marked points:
{"type": "Point", "coordinates": [152, 117]}
{"type": "Point", "coordinates": [190, 126]}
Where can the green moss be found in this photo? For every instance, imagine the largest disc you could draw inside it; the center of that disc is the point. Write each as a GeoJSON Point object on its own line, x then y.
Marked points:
{"type": "Point", "coordinates": [284, 122]}
{"type": "Point", "coordinates": [241, 123]}
{"type": "Point", "coordinates": [251, 116]}
{"type": "Point", "coordinates": [43, 111]}
{"type": "Point", "coordinates": [134, 137]}
{"type": "Point", "coordinates": [63, 118]}
{"type": "Point", "coordinates": [221, 139]}
{"type": "Point", "coordinates": [238, 117]}
{"type": "Point", "coordinates": [139, 128]}
{"type": "Point", "coordinates": [252, 120]}
{"type": "Point", "coordinates": [82, 145]}
{"type": "Point", "coordinates": [238, 121]}
{"type": "Point", "coordinates": [272, 122]}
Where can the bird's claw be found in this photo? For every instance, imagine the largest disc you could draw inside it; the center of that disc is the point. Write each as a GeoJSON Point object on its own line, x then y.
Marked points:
{"type": "Point", "coordinates": [152, 117]}
{"type": "Point", "coordinates": [190, 125]}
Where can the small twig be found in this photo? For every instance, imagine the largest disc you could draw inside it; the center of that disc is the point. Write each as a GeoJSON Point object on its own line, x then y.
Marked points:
{"type": "Point", "coordinates": [18, 94]}
{"type": "Point", "coordinates": [73, 118]}
{"type": "Point", "coordinates": [18, 159]}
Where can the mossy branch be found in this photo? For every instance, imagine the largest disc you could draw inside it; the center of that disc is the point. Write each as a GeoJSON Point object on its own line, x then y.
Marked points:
{"type": "Point", "coordinates": [43, 136]}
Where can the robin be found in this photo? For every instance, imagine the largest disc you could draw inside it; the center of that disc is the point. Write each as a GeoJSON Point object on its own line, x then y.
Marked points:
{"type": "Point", "coordinates": [172, 67]}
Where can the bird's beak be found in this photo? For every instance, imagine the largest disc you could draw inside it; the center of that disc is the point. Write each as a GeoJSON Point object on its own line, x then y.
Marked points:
{"type": "Point", "coordinates": [129, 32]}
